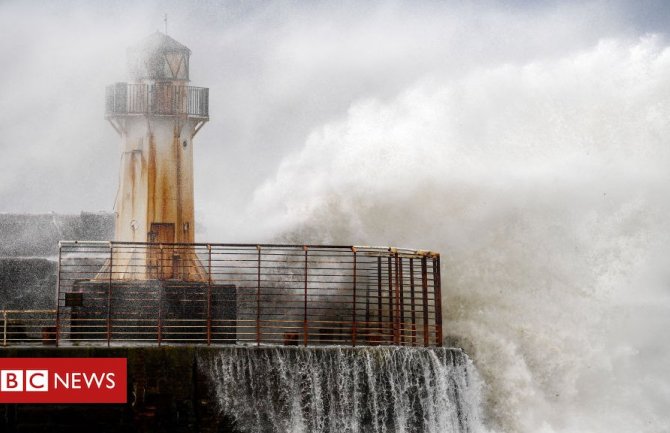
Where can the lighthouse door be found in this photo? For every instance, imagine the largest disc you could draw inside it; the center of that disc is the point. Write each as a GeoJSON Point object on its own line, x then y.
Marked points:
{"type": "Point", "coordinates": [161, 255]}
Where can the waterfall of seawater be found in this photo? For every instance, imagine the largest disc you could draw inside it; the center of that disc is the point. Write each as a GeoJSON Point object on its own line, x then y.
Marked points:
{"type": "Point", "coordinates": [338, 390]}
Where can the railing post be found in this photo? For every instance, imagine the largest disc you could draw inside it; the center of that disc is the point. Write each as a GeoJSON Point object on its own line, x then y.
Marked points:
{"type": "Point", "coordinates": [412, 302]}
{"type": "Point", "coordinates": [109, 295]}
{"type": "Point", "coordinates": [58, 280]}
{"type": "Point", "coordinates": [159, 330]}
{"type": "Point", "coordinates": [367, 306]}
{"type": "Point", "coordinates": [4, 328]}
{"type": "Point", "coordinates": [396, 334]}
{"type": "Point", "coordinates": [390, 281]}
{"type": "Point", "coordinates": [437, 286]}
{"type": "Point", "coordinates": [353, 314]}
{"type": "Point", "coordinates": [424, 287]}
{"type": "Point", "coordinates": [209, 294]}
{"type": "Point", "coordinates": [379, 295]}
{"type": "Point", "coordinates": [401, 300]}
{"type": "Point", "coordinates": [258, 297]}
{"type": "Point", "coordinates": [304, 323]}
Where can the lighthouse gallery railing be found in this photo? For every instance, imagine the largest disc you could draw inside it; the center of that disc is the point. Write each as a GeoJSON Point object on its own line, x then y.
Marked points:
{"type": "Point", "coordinates": [113, 292]}
{"type": "Point", "coordinates": [159, 99]}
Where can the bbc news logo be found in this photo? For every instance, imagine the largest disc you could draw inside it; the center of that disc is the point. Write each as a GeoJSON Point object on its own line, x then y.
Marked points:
{"type": "Point", "coordinates": [38, 380]}
{"type": "Point", "coordinates": [63, 380]}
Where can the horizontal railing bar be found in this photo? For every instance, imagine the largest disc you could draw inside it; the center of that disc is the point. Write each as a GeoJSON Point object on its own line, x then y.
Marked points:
{"type": "Point", "coordinates": [28, 311]}
{"type": "Point", "coordinates": [270, 247]}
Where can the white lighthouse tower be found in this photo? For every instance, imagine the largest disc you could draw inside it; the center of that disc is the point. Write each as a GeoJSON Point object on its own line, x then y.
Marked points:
{"type": "Point", "coordinates": [157, 114]}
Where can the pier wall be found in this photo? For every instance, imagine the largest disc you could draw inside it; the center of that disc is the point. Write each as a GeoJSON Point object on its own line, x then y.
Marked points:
{"type": "Point", "coordinates": [268, 389]}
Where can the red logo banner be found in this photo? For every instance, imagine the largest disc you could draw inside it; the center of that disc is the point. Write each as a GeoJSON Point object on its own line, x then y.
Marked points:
{"type": "Point", "coordinates": [63, 380]}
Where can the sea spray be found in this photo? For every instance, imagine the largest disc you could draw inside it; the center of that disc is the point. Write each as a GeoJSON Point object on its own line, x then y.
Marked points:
{"type": "Point", "coordinates": [338, 389]}
{"type": "Point", "coordinates": [544, 186]}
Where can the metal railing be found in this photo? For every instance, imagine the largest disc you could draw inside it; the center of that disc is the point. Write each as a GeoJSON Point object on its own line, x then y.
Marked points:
{"type": "Point", "coordinates": [28, 326]}
{"type": "Point", "coordinates": [233, 293]}
{"type": "Point", "coordinates": [160, 99]}
{"type": "Point", "coordinates": [148, 293]}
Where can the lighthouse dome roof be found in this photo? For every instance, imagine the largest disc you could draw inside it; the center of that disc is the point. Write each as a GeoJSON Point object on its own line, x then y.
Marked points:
{"type": "Point", "coordinates": [158, 42]}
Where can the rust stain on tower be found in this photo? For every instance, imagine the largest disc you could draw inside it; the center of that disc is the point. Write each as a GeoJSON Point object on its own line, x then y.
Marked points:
{"type": "Point", "coordinates": [157, 115]}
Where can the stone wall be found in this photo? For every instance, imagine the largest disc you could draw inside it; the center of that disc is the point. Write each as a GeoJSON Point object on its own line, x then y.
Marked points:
{"type": "Point", "coordinates": [27, 283]}
{"type": "Point", "coordinates": [29, 250]}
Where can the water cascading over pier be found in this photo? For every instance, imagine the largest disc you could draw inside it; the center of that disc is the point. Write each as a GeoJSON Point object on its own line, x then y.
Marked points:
{"type": "Point", "coordinates": [338, 390]}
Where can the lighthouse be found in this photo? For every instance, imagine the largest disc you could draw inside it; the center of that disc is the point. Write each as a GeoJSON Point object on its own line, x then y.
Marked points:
{"type": "Point", "coordinates": [157, 114]}
{"type": "Point", "coordinates": [151, 282]}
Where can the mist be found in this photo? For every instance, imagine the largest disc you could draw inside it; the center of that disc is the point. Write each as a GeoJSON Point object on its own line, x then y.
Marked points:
{"type": "Point", "coordinates": [527, 143]}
